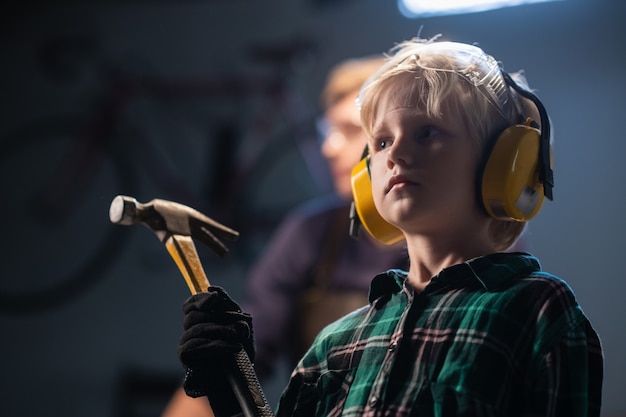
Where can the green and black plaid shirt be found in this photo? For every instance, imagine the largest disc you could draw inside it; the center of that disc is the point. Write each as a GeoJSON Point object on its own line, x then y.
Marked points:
{"type": "Point", "coordinates": [494, 336]}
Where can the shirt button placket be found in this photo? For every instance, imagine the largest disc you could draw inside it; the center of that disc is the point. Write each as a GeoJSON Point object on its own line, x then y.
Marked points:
{"type": "Point", "coordinates": [385, 368]}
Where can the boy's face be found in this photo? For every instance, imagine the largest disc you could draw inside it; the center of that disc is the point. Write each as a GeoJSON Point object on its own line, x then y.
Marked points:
{"type": "Point", "coordinates": [422, 169]}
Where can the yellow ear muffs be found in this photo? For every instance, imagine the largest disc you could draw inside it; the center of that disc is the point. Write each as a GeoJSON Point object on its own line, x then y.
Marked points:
{"type": "Point", "coordinates": [366, 211]}
{"type": "Point", "coordinates": [511, 188]}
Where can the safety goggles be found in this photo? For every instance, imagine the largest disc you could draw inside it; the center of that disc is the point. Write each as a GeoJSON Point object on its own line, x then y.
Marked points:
{"type": "Point", "coordinates": [471, 63]}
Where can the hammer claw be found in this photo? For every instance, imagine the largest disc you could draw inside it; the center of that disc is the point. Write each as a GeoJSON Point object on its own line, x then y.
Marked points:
{"type": "Point", "coordinates": [206, 235]}
{"type": "Point", "coordinates": [202, 224]}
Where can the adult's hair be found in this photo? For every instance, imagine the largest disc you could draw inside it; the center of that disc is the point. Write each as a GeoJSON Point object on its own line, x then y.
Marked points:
{"type": "Point", "coordinates": [347, 77]}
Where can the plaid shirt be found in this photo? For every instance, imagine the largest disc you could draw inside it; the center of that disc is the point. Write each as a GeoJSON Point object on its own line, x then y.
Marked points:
{"type": "Point", "coordinates": [493, 336]}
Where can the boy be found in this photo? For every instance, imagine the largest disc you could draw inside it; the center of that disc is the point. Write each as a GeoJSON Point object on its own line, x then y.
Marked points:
{"type": "Point", "coordinates": [459, 160]}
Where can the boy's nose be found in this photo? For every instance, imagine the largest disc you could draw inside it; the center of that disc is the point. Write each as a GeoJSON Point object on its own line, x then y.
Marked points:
{"type": "Point", "coordinates": [401, 152]}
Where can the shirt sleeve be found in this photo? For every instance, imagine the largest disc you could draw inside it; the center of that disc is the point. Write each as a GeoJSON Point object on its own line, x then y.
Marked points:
{"type": "Point", "coordinates": [569, 379]}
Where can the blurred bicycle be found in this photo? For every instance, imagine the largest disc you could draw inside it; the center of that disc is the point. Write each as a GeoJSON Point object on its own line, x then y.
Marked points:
{"type": "Point", "coordinates": [60, 174]}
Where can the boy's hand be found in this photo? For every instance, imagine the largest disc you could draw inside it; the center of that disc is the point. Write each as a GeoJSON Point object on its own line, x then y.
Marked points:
{"type": "Point", "coordinates": [214, 328]}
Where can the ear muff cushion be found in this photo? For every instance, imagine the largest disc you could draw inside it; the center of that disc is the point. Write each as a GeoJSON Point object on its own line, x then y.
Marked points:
{"type": "Point", "coordinates": [511, 189]}
{"type": "Point", "coordinates": [371, 220]}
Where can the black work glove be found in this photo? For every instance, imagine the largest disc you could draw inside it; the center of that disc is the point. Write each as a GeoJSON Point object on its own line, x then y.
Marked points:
{"type": "Point", "coordinates": [214, 329]}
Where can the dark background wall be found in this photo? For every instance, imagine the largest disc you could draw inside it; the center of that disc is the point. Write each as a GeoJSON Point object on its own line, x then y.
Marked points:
{"type": "Point", "coordinates": [84, 304]}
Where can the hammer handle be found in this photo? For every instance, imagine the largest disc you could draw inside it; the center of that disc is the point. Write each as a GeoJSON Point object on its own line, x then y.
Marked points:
{"type": "Point", "coordinates": [183, 251]}
{"type": "Point", "coordinates": [245, 385]}
{"type": "Point", "coordinates": [239, 372]}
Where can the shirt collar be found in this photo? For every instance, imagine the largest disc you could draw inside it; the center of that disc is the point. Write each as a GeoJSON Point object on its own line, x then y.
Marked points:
{"type": "Point", "coordinates": [490, 271]}
{"type": "Point", "coordinates": [498, 269]}
{"type": "Point", "coordinates": [386, 283]}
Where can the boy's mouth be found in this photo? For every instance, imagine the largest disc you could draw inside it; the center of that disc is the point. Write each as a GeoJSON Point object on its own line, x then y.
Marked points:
{"type": "Point", "coordinates": [398, 181]}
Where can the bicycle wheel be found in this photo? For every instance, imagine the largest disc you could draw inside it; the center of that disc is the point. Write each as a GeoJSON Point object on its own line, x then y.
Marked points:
{"type": "Point", "coordinates": [55, 250]}
{"type": "Point", "coordinates": [289, 171]}
{"type": "Point", "coordinates": [280, 181]}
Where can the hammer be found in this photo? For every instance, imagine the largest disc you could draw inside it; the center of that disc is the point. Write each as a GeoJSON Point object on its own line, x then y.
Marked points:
{"type": "Point", "coordinates": [176, 225]}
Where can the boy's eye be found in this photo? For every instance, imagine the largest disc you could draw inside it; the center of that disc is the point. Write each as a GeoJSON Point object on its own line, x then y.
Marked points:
{"type": "Point", "coordinates": [382, 144]}
{"type": "Point", "coordinates": [428, 132]}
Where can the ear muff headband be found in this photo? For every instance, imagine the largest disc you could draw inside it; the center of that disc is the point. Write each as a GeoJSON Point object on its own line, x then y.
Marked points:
{"type": "Point", "coordinates": [545, 152]}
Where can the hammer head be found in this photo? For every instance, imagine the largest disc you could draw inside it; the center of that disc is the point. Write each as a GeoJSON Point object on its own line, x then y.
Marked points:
{"type": "Point", "coordinates": [167, 218]}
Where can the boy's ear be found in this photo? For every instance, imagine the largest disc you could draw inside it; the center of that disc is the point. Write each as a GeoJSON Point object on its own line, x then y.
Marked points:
{"type": "Point", "coordinates": [364, 212]}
